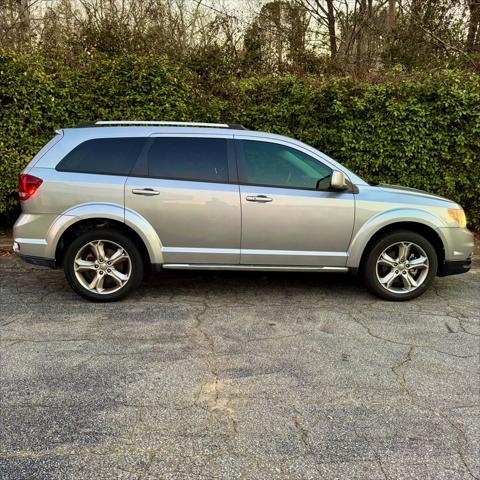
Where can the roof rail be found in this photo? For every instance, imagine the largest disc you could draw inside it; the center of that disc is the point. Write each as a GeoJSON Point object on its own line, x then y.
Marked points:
{"type": "Point", "coordinates": [168, 123]}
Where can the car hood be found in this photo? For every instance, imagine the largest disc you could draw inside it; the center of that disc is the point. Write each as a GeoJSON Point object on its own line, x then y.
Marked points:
{"type": "Point", "coordinates": [411, 191]}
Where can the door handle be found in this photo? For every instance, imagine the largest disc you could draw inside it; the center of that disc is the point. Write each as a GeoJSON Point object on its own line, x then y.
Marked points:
{"type": "Point", "coordinates": [149, 192]}
{"type": "Point", "coordinates": [259, 198]}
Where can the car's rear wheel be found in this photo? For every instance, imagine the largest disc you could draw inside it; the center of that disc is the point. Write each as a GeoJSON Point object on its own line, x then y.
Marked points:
{"type": "Point", "coordinates": [401, 266]}
{"type": "Point", "coordinates": [103, 265]}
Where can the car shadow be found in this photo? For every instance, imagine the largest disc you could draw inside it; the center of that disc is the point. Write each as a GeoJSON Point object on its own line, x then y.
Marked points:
{"type": "Point", "coordinates": [250, 286]}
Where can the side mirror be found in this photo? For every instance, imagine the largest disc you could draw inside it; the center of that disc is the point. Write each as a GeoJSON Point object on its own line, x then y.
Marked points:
{"type": "Point", "coordinates": [338, 181]}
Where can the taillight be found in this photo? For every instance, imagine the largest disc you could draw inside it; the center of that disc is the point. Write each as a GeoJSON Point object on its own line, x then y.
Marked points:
{"type": "Point", "coordinates": [27, 185]}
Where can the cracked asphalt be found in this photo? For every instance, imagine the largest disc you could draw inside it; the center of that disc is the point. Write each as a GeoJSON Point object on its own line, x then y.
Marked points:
{"type": "Point", "coordinates": [237, 375]}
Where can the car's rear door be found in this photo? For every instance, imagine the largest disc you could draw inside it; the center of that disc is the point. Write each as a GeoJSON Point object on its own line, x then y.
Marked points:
{"type": "Point", "coordinates": [185, 186]}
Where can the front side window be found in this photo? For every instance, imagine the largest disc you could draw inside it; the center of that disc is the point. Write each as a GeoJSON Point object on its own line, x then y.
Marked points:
{"type": "Point", "coordinates": [110, 156]}
{"type": "Point", "coordinates": [275, 165]}
{"type": "Point", "coordinates": [194, 159]}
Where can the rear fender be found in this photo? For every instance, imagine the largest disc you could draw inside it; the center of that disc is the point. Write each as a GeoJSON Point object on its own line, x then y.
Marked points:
{"type": "Point", "coordinates": [111, 212]}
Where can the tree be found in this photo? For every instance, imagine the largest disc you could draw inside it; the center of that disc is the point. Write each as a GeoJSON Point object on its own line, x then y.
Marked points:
{"type": "Point", "coordinates": [276, 39]}
{"type": "Point", "coordinates": [324, 13]}
{"type": "Point", "coordinates": [473, 37]}
{"type": "Point", "coordinates": [427, 33]}
{"type": "Point", "coordinates": [15, 23]}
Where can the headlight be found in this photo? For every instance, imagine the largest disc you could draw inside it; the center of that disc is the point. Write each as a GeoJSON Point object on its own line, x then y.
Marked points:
{"type": "Point", "coordinates": [459, 216]}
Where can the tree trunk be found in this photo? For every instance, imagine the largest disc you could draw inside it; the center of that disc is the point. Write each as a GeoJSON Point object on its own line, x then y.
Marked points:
{"type": "Point", "coordinates": [391, 14]}
{"type": "Point", "coordinates": [23, 9]}
{"type": "Point", "coordinates": [473, 37]}
{"type": "Point", "coordinates": [360, 24]}
{"type": "Point", "coordinates": [331, 28]}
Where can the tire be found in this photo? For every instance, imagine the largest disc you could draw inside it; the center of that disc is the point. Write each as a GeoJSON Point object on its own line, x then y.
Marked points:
{"type": "Point", "coordinates": [385, 274]}
{"type": "Point", "coordinates": [114, 281]}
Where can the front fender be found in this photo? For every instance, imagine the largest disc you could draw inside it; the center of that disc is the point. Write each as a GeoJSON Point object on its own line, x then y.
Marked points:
{"type": "Point", "coordinates": [384, 219]}
{"type": "Point", "coordinates": [109, 211]}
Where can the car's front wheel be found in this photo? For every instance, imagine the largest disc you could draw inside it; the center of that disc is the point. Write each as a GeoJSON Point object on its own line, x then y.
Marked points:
{"type": "Point", "coordinates": [401, 266]}
{"type": "Point", "coordinates": [103, 265]}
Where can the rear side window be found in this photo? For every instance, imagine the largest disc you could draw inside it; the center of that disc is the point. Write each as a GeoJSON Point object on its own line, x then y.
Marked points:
{"type": "Point", "coordinates": [194, 159]}
{"type": "Point", "coordinates": [109, 156]}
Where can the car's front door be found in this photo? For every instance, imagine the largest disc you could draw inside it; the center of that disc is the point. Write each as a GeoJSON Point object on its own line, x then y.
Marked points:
{"type": "Point", "coordinates": [181, 185]}
{"type": "Point", "coordinates": [289, 214]}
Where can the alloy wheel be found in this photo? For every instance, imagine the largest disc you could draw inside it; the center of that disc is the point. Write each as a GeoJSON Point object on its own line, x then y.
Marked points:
{"type": "Point", "coordinates": [102, 266]}
{"type": "Point", "coordinates": [402, 267]}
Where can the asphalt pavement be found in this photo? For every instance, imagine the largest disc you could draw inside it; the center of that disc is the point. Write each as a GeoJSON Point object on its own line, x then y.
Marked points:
{"type": "Point", "coordinates": [238, 375]}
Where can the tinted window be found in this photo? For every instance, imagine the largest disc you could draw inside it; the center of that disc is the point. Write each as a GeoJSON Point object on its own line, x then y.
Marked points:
{"type": "Point", "coordinates": [113, 156]}
{"type": "Point", "coordinates": [200, 159]}
{"type": "Point", "coordinates": [276, 165]}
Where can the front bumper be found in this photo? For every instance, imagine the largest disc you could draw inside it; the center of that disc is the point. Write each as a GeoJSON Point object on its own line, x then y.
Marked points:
{"type": "Point", "coordinates": [449, 267]}
{"type": "Point", "coordinates": [458, 244]}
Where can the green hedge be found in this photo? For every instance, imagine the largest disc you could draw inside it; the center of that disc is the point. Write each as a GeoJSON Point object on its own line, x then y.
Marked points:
{"type": "Point", "coordinates": [422, 132]}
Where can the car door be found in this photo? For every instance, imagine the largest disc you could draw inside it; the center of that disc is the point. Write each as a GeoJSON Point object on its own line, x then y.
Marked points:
{"type": "Point", "coordinates": [182, 185]}
{"type": "Point", "coordinates": [289, 214]}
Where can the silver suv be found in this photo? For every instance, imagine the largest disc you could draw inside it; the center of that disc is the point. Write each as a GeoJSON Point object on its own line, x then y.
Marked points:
{"type": "Point", "coordinates": [112, 199]}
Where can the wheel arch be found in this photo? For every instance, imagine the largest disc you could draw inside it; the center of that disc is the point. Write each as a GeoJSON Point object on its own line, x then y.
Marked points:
{"type": "Point", "coordinates": [85, 217]}
{"type": "Point", "coordinates": [418, 221]}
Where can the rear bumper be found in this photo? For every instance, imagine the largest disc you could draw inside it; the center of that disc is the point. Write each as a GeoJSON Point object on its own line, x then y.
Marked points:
{"type": "Point", "coordinates": [40, 261]}
{"type": "Point", "coordinates": [30, 235]}
{"type": "Point", "coordinates": [454, 267]}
